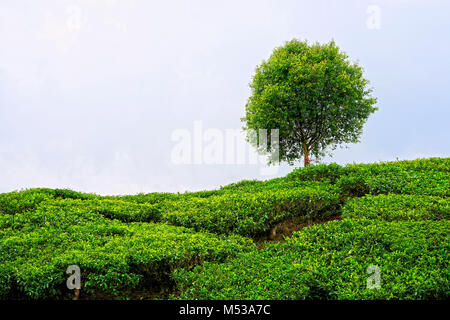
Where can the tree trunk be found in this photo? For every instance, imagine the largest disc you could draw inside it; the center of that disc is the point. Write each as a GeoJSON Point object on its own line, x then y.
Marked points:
{"type": "Point", "coordinates": [306, 152]}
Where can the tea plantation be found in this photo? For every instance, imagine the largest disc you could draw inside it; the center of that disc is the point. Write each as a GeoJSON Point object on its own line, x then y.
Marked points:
{"type": "Point", "coordinates": [315, 234]}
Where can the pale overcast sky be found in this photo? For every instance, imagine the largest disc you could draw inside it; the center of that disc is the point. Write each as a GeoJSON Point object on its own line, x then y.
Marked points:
{"type": "Point", "coordinates": [92, 91]}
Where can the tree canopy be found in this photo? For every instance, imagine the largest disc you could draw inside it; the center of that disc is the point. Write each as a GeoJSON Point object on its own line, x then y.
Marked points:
{"type": "Point", "coordinates": [313, 95]}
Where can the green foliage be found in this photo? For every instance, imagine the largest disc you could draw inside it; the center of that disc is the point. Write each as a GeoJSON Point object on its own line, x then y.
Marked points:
{"type": "Point", "coordinates": [322, 172]}
{"type": "Point", "coordinates": [150, 198]}
{"type": "Point", "coordinates": [330, 261]}
{"type": "Point", "coordinates": [380, 180]}
{"type": "Point", "coordinates": [269, 185]}
{"type": "Point", "coordinates": [313, 94]}
{"type": "Point", "coordinates": [252, 213]}
{"type": "Point", "coordinates": [425, 164]}
{"type": "Point", "coordinates": [114, 257]}
{"type": "Point", "coordinates": [397, 207]}
{"type": "Point", "coordinates": [395, 215]}
{"type": "Point", "coordinates": [21, 201]}
{"type": "Point", "coordinates": [113, 209]}
{"type": "Point", "coordinates": [17, 202]}
{"type": "Point", "coordinates": [422, 176]}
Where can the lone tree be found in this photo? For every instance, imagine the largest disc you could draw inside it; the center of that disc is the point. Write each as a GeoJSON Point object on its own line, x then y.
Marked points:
{"type": "Point", "coordinates": [313, 94]}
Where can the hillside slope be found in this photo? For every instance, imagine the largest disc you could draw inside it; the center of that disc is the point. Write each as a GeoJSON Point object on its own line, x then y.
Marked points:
{"type": "Point", "coordinates": [228, 243]}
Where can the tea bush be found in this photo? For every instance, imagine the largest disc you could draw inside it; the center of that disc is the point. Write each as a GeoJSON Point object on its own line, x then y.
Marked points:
{"type": "Point", "coordinates": [251, 186]}
{"type": "Point", "coordinates": [426, 164]}
{"type": "Point", "coordinates": [114, 257]}
{"type": "Point", "coordinates": [20, 201]}
{"type": "Point", "coordinates": [383, 180]}
{"type": "Point", "coordinates": [330, 261]}
{"type": "Point", "coordinates": [244, 186]}
{"type": "Point", "coordinates": [332, 172]}
{"type": "Point", "coordinates": [252, 214]}
{"type": "Point", "coordinates": [397, 207]}
{"type": "Point", "coordinates": [149, 198]}
{"type": "Point", "coordinates": [322, 172]}
{"type": "Point", "coordinates": [113, 209]}
{"type": "Point", "coordinates": [422, 176]}
{"type": "Point", "coordinates": [395, 215]}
